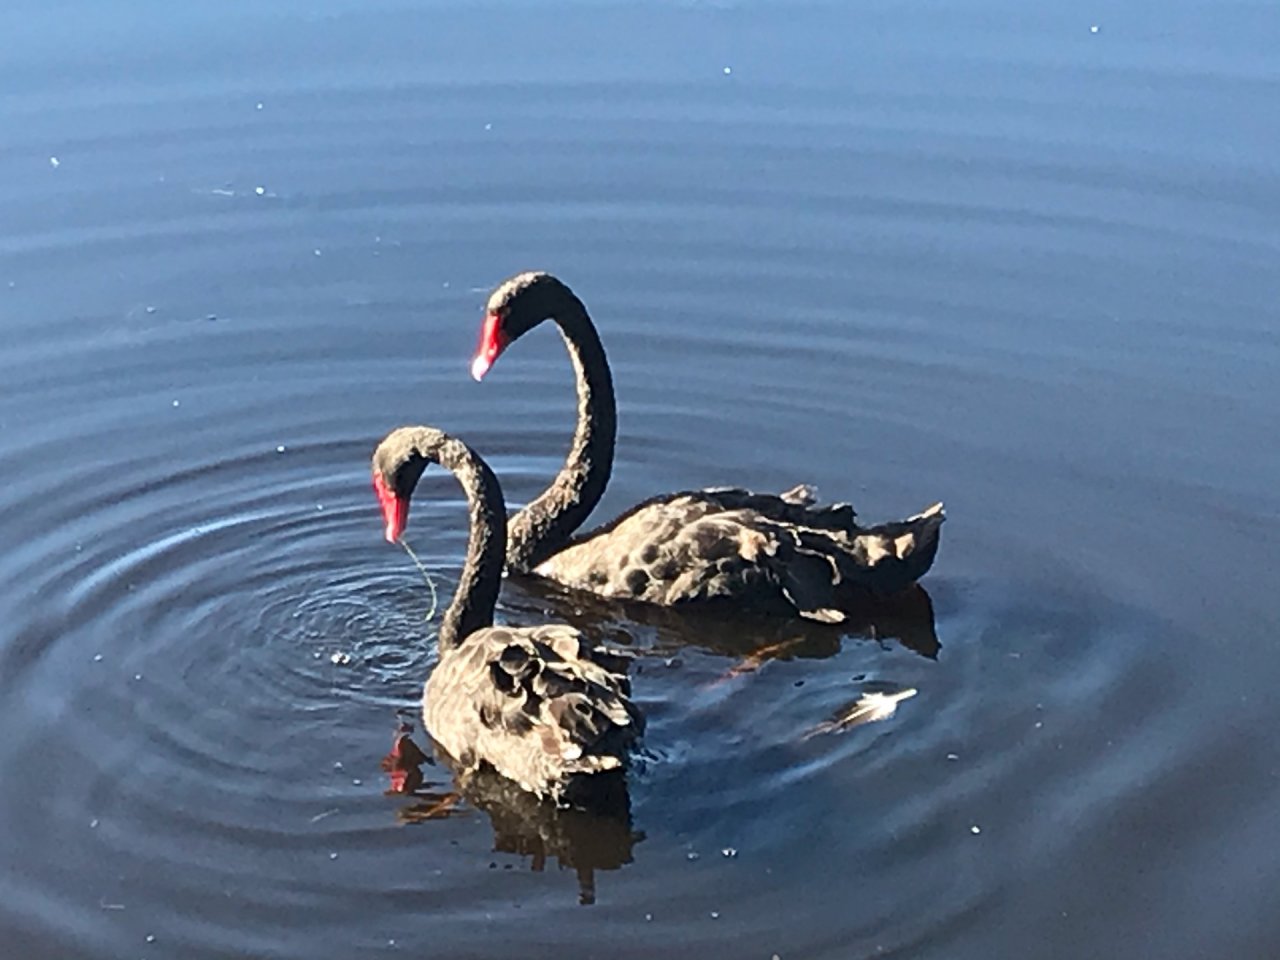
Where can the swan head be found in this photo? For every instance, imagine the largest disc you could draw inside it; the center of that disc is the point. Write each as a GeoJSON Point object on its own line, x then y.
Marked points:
{"type": "Point", "coordinates": [515, 307]}
{"type": "Point", "coordinates": [398, 463]}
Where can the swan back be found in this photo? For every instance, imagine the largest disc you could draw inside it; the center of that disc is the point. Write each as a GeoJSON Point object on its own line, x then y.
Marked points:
{"type": "Point", "coordinates": [539, 704]}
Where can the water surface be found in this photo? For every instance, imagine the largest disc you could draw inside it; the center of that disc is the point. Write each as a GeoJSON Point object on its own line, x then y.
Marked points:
{"type": "Point", "coordinates": [901, 251]}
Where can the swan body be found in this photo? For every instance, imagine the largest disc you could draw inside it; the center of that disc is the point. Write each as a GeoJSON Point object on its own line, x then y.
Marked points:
{"type": "Point", "coordinates": [539, 704]}
{"type": "Point", "coordinates": [543, 706]}
{"type": "Point", "coordinates": [782, 552]}
{"type": "Point", "coordinates": [757, 549]}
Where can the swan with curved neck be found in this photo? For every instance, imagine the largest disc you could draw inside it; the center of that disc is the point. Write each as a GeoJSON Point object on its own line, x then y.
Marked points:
{"type": "Point", "coordinates": [542, 705]}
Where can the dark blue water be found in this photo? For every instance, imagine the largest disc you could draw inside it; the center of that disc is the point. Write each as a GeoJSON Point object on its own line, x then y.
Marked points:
{"type": "Point", "coordinates": [982, 253]}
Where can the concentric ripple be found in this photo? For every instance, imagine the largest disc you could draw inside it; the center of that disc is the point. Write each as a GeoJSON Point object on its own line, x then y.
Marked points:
{"type": "Point", "coordinates": [225, 648]}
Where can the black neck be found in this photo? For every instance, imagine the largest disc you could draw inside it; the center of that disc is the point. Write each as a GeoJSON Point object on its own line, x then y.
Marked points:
{"type": "Point", "coordinates": [477, 593]}
{"type": "Point", "coordinates": [543, 527]}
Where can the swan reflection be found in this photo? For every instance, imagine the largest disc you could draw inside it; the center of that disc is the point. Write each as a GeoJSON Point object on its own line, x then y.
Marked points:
{"type": "Point", "coordinates": [906, 619]}
{"type": "Point", "coordinates": [595, 835]}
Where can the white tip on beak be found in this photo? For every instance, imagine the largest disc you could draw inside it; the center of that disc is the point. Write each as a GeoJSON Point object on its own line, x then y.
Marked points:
{"type": "Point", "coordinates": [479, 367]}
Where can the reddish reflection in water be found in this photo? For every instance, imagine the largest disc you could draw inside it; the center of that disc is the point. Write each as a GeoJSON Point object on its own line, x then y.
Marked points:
{"type": "Point", "coordinates": [595, 835]}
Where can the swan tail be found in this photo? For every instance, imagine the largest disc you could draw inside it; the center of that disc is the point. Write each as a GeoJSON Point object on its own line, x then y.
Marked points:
{"type": "Point", "coordinates": [889, 557]}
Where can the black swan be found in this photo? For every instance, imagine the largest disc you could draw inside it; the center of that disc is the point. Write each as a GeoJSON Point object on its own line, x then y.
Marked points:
{"type": "Point", "coordinates": [543, 706]}
{"type": "Point", "coordinates": [755, 550]}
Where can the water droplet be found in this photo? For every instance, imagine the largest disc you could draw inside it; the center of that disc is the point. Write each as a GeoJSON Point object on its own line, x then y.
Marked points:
{"type": "Point", "coordinates": [1094, 28]}
{"type": "Point", "coordinates": [357, 782]}
{"type": "Point", "coordinates": [715, 914]}
{"type": "Point", "coordinates": [975, 829]}
{"type": "Point", "coordinates": [728, 70]}
{"type": "Point", "coordinates": [258, 105]}
{"type": "Point", "coordinates": [280, 449]}
{"type": "Point", "coordinates": [177, 403]}
{"type": "Point", "coordinates": [97, 658]}
{"type": "Point", "coordinates": [151, 938]}
{"type": "Point", "coordinates": [333, 856]}
{"type": "Point", "coordinates": [260, 191]}
{"type": "Point", "coordinates": [93, 824]}
{"type": "Point", "coordinates": [55, 162]}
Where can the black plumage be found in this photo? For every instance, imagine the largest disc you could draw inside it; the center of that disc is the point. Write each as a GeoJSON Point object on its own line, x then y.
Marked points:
{"type": "Point", "coordinates": [783, 552]}
{"type": "Point", "coordinates": [541, 705]}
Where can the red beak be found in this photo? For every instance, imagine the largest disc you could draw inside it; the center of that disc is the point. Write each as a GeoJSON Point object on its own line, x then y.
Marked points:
{"type": "Point", "coordinates": [395, 510]}
{"type": "Point", "coordinates": [492, 342]}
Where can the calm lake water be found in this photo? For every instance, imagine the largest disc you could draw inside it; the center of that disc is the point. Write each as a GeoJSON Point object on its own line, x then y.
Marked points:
{"type": "Point", "coordinates": [1023, 260]}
